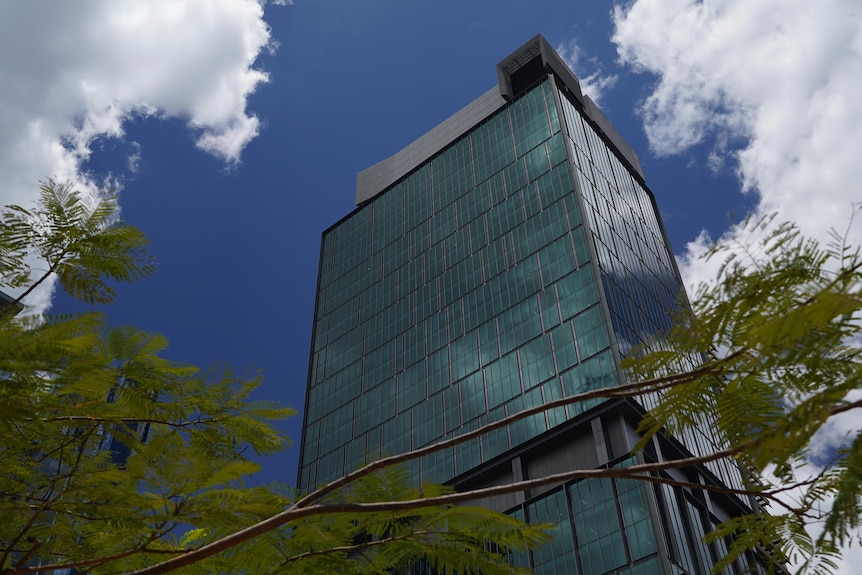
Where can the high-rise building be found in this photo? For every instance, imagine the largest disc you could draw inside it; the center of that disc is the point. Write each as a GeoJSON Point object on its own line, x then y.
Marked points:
{"type": "Point", "coordinates": [511, 256]}
{"type": "Point", "coordinates": [9, 305]}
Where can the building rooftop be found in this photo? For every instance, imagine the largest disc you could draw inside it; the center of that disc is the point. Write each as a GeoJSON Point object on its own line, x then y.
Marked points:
{"type": "Point", "coordinates": [515, 73]}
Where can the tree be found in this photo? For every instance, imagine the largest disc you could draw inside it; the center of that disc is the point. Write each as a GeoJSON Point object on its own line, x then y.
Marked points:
{"type": "Point", "coordinates": [116, 458]}
{"type": "Point", "coordinates": [782, 324]}
{"type": "Point", "coordinates": [779, 327]}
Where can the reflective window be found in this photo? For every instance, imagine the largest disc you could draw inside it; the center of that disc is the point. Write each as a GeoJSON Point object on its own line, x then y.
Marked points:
{"type": "Point", "coordinates": [438, 299]}
{"type": "Point", "coordinates": [600, 538]}
{"type": "Point", "coordinates": [557, 557]}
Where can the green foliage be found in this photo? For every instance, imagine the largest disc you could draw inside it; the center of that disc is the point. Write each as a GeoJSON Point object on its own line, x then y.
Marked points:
{"type": "Point", "coordinates": [449, 539]}
{"type": "Point", "coordinates": [782, 322]}
{"type": "Point", "coordinates": [82, 482]}
{"type": "Point", "coordinates": [116, 459]}
{"type": "Point", "coordinates": [81, 241]}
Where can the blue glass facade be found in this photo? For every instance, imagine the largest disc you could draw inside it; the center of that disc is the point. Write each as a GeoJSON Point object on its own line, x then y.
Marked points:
{"type": "Point", "coordinates": [513, 266]}
{"type": "Point", "coordinates": [458, 296]}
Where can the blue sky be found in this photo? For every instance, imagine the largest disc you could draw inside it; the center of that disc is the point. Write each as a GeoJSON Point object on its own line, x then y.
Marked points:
{"type": "Point", "coordinates": [235, 131]}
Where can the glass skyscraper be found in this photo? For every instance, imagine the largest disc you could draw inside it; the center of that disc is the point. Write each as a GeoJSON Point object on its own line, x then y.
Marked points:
{"type": "Point", "coordinates": [511, 256]}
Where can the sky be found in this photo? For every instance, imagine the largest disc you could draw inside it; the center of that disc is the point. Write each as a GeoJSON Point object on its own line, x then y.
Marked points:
{"type": "Point", "coordinates": [234, 130]}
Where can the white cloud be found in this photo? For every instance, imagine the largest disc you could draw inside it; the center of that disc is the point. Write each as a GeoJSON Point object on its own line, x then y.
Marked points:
{"type": "Point", "coordinates": [780, 76]}
{"type": "Point", "coordinates": [594, 84]}
{"type": "Point", "coordinates": [75, 71]}
{"type": "Point", "coordinates": [134, 159]}
{"type": "Point", "coordinates": [851, 554]}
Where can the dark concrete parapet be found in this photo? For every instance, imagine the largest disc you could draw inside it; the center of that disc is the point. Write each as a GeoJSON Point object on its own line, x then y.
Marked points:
{"type": "Point", "coordinates": [371, 181]}
{"type": "Point", "coordinates": [521, 69]}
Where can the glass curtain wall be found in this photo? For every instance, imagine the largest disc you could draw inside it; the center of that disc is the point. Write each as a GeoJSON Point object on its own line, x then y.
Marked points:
{"type": "Point", "coordinates": [462, 294]}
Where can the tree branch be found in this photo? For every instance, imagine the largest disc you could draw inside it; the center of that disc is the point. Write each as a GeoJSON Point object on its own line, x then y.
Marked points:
{"type": "Point", "coordinates": [26, 556]}
{"type": "Point", "coordinates": [360, 546]}
{"type": "Point", "coordinates": [129, 420]}
{"type": "Point", "coordinates": [49, 498]}
{"type": "Point", "coordinates": [46, 275]}
{"type": "Point", "coordinates": [846, 407]}
{"type": "Point", "coordinates": [620, 391]}
{"type": "Point", "coordinates": [296, 512]}
{"type": "Point", "coordinates": [86, 563]}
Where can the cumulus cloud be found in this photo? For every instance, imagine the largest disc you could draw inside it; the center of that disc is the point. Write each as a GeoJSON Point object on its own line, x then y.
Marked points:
{"type": "Point", "coordinates": [73, 72]}
{"type": "Point", "coordinates": [592, 84]}
{"type": "Point", "coordinates": [851, 555]}
{"type": "Point", "coordinates": [773, 86]}
{"type": "Point", "coordinates": [778, 77]}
